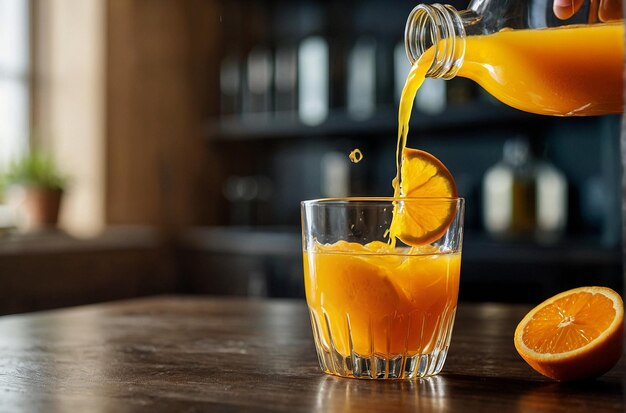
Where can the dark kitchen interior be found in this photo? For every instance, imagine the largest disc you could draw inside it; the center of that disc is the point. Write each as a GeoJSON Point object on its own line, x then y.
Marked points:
{"type": "Point", "coordinates": [214, 119]}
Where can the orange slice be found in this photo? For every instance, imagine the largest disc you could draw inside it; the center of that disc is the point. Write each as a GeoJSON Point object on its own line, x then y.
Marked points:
{"type": "Point", "coordinates": [423, 176]}
{"type": "Point", "coordinates": [574, 335]}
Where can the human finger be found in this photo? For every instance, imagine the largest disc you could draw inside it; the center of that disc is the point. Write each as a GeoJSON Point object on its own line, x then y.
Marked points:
{"type": "Point", "coordinates": [610, 10]}
{"type": "Point", "coordinates": [564, 9]}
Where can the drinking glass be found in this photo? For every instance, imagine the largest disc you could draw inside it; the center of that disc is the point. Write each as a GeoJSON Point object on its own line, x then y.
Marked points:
{"type": "Point", "coordinates": [378, 310]}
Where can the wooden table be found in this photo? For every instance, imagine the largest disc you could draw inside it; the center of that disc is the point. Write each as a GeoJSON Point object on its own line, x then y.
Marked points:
{"type": "Point", "coordinates": [209, 354]}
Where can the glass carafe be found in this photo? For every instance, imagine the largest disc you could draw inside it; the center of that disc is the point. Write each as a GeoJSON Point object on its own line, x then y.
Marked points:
{"type": "Point", "coordinates": [524, 55]}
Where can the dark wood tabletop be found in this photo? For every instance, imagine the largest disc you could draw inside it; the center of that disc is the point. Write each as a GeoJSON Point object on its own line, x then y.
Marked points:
{"type": "Point", "coordinates": [179, 353]}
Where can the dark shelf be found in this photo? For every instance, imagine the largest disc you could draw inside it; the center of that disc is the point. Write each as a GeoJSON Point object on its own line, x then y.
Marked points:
{"type": "Point", "coordinates": [274, 241]}
{"type": "Point", "coordinates": [479, 247]}
{"type": "Point", "coordinates": [521, 271]}
{"type": "Point", "coordinates": [341, 123]}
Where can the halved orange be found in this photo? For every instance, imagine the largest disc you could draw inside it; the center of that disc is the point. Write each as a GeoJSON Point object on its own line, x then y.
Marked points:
{"type": "Point", "coordinates": [574, 335]}
{"type": "Point", "coordinates": [423, 176]}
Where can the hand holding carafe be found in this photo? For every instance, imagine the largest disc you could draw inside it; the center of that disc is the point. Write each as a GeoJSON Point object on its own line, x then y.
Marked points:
{"type": "Point", "coordinates": [523, 55]}
{"type": "Point", "coordinates": [605, 10]}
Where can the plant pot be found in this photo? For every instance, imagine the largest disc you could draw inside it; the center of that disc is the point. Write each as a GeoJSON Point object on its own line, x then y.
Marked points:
{"type": "Point", "coordinates": [36, 207]}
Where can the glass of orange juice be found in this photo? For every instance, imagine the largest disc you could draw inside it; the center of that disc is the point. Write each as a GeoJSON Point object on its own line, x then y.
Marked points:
{"type": "Point", "coordinates": [380, 309]}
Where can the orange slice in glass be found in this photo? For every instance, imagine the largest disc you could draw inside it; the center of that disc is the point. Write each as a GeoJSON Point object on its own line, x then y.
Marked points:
{"type": "Point", "coordinates": [423, 176]}
{"type": "Point", "coordinates": [574, 335]}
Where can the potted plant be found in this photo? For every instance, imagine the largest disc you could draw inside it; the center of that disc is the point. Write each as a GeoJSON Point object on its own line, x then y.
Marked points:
{"type": "Point", "coordinates": [35, 186]}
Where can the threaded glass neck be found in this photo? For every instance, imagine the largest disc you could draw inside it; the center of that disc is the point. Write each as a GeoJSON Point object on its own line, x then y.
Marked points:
{"type": "Point", "coordinates": [440, 27]}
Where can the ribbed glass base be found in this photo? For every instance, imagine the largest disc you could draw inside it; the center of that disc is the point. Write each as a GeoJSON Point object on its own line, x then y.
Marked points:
{"type": "Point", "coordinates": [383, 366]}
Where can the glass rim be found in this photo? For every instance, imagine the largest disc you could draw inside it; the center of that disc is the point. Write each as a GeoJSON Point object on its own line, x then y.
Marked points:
{"type": "Point", "coordinates": [380, 199]}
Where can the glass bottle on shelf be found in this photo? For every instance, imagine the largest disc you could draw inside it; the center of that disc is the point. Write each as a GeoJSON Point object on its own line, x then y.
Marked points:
{"type": "Point", "coordinates": [524, 197]}
{"type": "Point", "coordinates": [573, 69]}
{"type": "Point", "coordinates": [509, 193]}
{"type": "Point", "coordinates": [313, 80]}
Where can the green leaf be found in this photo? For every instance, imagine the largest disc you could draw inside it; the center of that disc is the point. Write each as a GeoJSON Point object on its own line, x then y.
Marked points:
{"type": "Point", "coordinates": [34, 169]}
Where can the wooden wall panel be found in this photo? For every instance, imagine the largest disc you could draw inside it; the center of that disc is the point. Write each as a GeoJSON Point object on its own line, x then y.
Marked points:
{"type": "Point", "coordinates": [162, 84]}
{"type": "Point", "coordinates": [68, 103]}
{"type": "Point", "coordinates": [42, 280]}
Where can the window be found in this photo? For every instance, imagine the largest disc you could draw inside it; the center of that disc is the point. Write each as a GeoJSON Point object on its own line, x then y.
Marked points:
{"type": "Point", "coordinates": [14, 79]}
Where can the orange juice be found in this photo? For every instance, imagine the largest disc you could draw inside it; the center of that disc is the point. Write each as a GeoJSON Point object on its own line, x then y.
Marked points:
{"type": "Point", "coordinates": [570, 70]}
{"type": "Point", "coordinates": [380, 300]}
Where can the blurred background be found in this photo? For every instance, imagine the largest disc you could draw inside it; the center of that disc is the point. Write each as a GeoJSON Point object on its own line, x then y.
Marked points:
{"type": "Point", "coordinates": [180, 137]}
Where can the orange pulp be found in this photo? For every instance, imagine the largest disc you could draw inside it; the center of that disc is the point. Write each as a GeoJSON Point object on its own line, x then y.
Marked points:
{"type": "Point", "coordinates": [574, 335]}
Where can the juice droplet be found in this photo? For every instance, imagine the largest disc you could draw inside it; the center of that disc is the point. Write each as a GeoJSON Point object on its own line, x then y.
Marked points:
{"type": "Point", "coordinates": [356, 155]}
